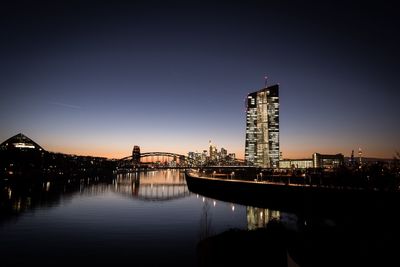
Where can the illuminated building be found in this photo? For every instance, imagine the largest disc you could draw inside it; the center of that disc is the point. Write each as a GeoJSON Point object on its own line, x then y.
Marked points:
{"type": "Point", "coordinates": [327, 161]}
{"type": "Point", "coordinates": [317, 161]}
{"type": "Point", "coordinates": [296, 163]}
{"type": "Point", "coordinates": [20, 142]}
{"type": "Point", "coordinates": [192, 155]}
{"type": "Point", "coordinates": [262, 128]}
{"type": "Point", "coordinates": [223, 153]}
{"type": "Point", "coordinates": [19, 154]}
{"type": "Point", "coordinates": [213, 151]}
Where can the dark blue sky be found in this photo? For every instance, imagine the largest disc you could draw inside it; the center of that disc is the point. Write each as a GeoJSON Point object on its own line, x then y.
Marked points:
{"type": "Point", "coordinates": [97, 78]}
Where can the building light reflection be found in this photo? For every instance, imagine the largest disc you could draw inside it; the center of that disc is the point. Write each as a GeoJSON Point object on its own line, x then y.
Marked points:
{"type": "Point", "coordinates": [259, 218]}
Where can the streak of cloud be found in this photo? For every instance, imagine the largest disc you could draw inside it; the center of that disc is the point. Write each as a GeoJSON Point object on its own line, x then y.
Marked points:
{"type": "Point", "coordinates": [65, 105]}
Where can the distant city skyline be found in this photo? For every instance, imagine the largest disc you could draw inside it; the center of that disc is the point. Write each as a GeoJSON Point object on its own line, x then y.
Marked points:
{"type": "Point", "coordinates": [98, 78]}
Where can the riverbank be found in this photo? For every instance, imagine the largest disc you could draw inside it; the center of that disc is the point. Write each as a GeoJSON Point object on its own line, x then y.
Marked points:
{"type": "Point", "coordinates": [292, 198]}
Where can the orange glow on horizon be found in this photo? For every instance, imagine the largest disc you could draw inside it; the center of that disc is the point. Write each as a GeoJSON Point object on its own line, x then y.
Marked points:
{"type": "Point", "coordinates": [110, 153]}
{"type": "Point", "coordinates": [117, 154]}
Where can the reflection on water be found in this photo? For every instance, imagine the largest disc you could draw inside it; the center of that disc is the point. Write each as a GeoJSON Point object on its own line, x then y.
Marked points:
{"type": "Point", "coordinates": [153, 185]}
{"type": "Point", "coordinates": [206, 229]}
{"type": "Point", "coordinates": [21, 196]}
{"type": "Point", "coordinates": [150, 218]}
{"type": "Point", "coordinates": [143, 219]}
{"type": "Point", "coordinates": [259, 217]}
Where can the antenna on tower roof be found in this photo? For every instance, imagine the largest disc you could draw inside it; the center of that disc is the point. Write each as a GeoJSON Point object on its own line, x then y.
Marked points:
{"type": "Point", "coordinates": [265, 81]}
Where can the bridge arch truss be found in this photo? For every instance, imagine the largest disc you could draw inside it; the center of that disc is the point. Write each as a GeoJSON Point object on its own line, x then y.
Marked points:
{"type": "Point", "coordinates": [181, 158]}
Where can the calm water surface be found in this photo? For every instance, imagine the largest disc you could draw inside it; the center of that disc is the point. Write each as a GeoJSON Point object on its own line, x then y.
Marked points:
{"type": "Point", "coordinates": [147, 218]}
{"type": "Point", "coordinates": [151, 219]}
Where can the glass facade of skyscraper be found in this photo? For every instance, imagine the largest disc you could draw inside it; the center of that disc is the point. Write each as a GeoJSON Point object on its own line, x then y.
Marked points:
{"type": "Point", "coordinates": [262, 128]}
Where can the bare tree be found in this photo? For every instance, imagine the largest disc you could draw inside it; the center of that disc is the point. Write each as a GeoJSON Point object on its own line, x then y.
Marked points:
{"type": "Point", "coordinates": [205, 221]}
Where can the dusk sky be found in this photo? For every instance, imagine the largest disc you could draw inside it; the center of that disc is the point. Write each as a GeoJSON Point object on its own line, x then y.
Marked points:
{"type": "Point", "coordinates": [97, 78]}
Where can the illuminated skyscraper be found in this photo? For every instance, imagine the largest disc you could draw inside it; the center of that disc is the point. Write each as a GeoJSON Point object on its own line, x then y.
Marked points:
{"type": "Point", "coordinates": [262, 128]}
{"type": "Point", "coordinates": [213, 151]}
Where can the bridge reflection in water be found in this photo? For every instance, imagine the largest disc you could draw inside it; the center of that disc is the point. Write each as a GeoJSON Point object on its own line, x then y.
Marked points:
{"type": "Point", "coordinates": [152, 185]}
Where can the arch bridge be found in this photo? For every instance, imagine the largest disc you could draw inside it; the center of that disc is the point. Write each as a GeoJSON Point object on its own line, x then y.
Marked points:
{"type": "Point", "coordinates": [158, 155]}
{"type": "Point", "coordinates": [169, 159]}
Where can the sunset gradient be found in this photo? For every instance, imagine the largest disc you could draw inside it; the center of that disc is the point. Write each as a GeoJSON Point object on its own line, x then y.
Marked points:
{"type": "Point", "coordinates": [98, 78]}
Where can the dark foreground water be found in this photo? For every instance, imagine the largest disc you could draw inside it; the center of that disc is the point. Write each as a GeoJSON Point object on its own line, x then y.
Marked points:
{"type": "Point", "coordinates": [151, 219]}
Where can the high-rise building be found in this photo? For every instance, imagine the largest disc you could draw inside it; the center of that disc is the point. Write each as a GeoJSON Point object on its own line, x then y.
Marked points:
{"type": "Point", "coordinates": [223, 153]}
{"type": "Point", "coordinates": [213, 151]}
{"type": "Point", "coordinates": [262, 128]}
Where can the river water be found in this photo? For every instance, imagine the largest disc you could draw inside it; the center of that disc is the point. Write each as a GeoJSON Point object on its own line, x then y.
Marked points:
{"type": "Point", "coordinates": [151, 219]}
